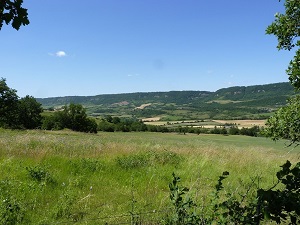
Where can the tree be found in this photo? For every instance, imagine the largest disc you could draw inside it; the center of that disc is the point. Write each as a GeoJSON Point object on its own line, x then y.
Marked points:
{"type": "Point", "coordinates": [73, 117]}
{"type": "Point", "coordinates": [77, 117]}
{"type": "Point", "coordinates": [18, 113]}
{"type": "Point", "coordinates": [30, 112]}
{"type": "Point", "coordinates": [12, 11]}
{"type": "Point", "coordinates": [287, 29]}
{"type": "Point", "coordinates": [8, 105]}
{"type": "Point", "coordinates": [286, 121]}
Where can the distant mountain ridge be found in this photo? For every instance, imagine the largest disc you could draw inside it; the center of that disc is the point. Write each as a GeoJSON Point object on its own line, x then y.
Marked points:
{"type": "Point", "coordinates": [268, 96]}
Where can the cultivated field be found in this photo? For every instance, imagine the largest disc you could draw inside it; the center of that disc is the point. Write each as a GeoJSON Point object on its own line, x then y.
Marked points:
{"type": "Point", "coordinates": [205, 123]}
{"type": "Point", "coordinates": [66, 177]}
{"type": "Point", "coordinates": [243, 123]}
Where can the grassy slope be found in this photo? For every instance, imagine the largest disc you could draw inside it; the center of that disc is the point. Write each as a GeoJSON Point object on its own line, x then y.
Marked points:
{"type": "Point", "coordinates": [121, 167]}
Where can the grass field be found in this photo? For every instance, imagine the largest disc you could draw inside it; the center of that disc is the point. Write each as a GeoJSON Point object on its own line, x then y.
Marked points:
{"type": "Point", "coordinates": [67, 177]}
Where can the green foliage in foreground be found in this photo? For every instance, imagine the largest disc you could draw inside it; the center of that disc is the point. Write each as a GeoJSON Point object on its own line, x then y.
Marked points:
{"type": "Point", "coordinates": [279, 203]}
{"type": "Point", "coordinates": [13, 12]}
{"type": "Point", "coordinates": [286, 29]}
{"type": "Point", "coordinates": [286, 122]}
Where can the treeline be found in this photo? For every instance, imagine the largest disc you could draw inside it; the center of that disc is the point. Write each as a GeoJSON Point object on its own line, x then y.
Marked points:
{"type": "Point", "coordinates": [26, 113]}
{"type": "Point", "coordinates": [224, 130]}
{"type": "Point", "coordinates": [112, 124]}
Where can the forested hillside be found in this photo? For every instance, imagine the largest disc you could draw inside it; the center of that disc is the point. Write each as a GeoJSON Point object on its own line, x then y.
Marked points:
{"type": "Point", "coordinates": [238, 102]}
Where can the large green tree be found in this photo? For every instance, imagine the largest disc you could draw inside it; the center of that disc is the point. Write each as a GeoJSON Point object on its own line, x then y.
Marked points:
{"type": "Point", "coordinates": [8, 105]}
{"type": "Point", "coordinates": [11, 11]}
{"type": "Point", "coordinates": [286, 27]}
{"type": "Point", "coordinates": [30, 113]}
{"type": "Point", "coordinates": [18, 113]}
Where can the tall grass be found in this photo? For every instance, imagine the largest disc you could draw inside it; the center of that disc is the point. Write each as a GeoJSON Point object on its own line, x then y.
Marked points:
{"type": "Point", "coordinates": [67, 176]}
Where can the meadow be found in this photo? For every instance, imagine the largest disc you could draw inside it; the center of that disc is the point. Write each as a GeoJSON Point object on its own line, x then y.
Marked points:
{"type": "Point", "coordinates": [64, 177]}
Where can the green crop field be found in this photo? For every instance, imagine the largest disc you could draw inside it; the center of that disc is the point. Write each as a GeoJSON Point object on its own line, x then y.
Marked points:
{"type": "Point", "coordinates": [63, 177]}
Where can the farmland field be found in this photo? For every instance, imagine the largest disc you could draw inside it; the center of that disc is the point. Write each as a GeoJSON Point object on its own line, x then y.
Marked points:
{"type": "Point", "coordinates": [63, 176]}
{"type": "Point", "coordinates": [205, 123]}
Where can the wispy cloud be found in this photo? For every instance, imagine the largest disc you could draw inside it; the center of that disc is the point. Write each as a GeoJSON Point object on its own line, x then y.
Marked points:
{"type": "Point", "coordinates": [61, 54]}
{"type": "Point", "coordinates": [133, 75]}
{"type": "Point", "coordinates": [58, 54]}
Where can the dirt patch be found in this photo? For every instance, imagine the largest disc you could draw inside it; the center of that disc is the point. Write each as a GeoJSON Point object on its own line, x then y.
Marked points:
{"type": "Point", "coordinates": [143, 106]}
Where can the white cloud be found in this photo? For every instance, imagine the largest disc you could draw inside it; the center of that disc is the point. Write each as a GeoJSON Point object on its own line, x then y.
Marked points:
{"type": "Point", "coordinates": [61, 54]}
{"type": "Point", "coordinates": [133, 75]}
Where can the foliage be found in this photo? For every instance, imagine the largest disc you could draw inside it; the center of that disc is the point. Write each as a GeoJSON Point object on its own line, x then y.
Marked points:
{"type": "Point", "coordinates": [183, 206]}
{"type": "Point", "coordinates": [18, 113]}
{"type": "Point", "coordinates": [73, 117]}
{"type": "Point", "coordinates": [12, 11]}
{"type": "Point", "coordinates": [285, 123]}
{"type": "Point", "coordinates": [287, 30]}
{"type": "Point", "coordinates": [12, 205]}
{"type": "Point", "coordinates": [111, 124]}
{"type": "Point", "coordinates": [283, 204]}
{"type": "Point", "coordinates": [30, 113]}
{"type": "Point", "coordinates": [40, 174]}
{"type": "Point", "coordinates": [8, 105]}
{"type": "Point", "coordinates": [280, 203]}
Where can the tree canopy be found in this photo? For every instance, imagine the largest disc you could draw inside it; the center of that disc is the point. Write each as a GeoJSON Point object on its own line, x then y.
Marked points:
{"type": "Point", "coordinates": [30, 112]}
{"type": "Point", "coordinates": [18, 113]}
{"type": "Point", "coordinates": [286, 121]}
{"type": "Point", "coordinates": [286, 28]}
{"type": "Point", "coordinates": [71, 116]}
{"type": "Point", "coordinates": [8, 105]}
{"type": "Point", "coordinates": [11, 11]}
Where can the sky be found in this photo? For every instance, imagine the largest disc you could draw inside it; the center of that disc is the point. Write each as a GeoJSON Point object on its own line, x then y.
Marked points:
{"type": "Point", "coordinates": [91, 47]}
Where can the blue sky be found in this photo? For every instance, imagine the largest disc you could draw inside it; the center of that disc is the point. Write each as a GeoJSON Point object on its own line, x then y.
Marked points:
{"type": "Point", "coordinates": [121, 46]}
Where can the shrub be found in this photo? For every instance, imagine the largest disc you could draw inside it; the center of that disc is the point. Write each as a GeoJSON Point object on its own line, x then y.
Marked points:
{"type": "Point", "coordinates": [40, 174]}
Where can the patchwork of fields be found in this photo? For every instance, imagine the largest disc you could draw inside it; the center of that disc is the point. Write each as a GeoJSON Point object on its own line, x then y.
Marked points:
{"type": "Point", "coordinates": [206, 123]}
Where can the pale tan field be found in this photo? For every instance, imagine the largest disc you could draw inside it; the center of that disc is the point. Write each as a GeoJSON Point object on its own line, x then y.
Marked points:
{"type": "Point", "coordinates": [243, 123]}
{"type": "Point", "coordinates": [153, 121]}
{"type": "Point", "coordinates": [219, 123]}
